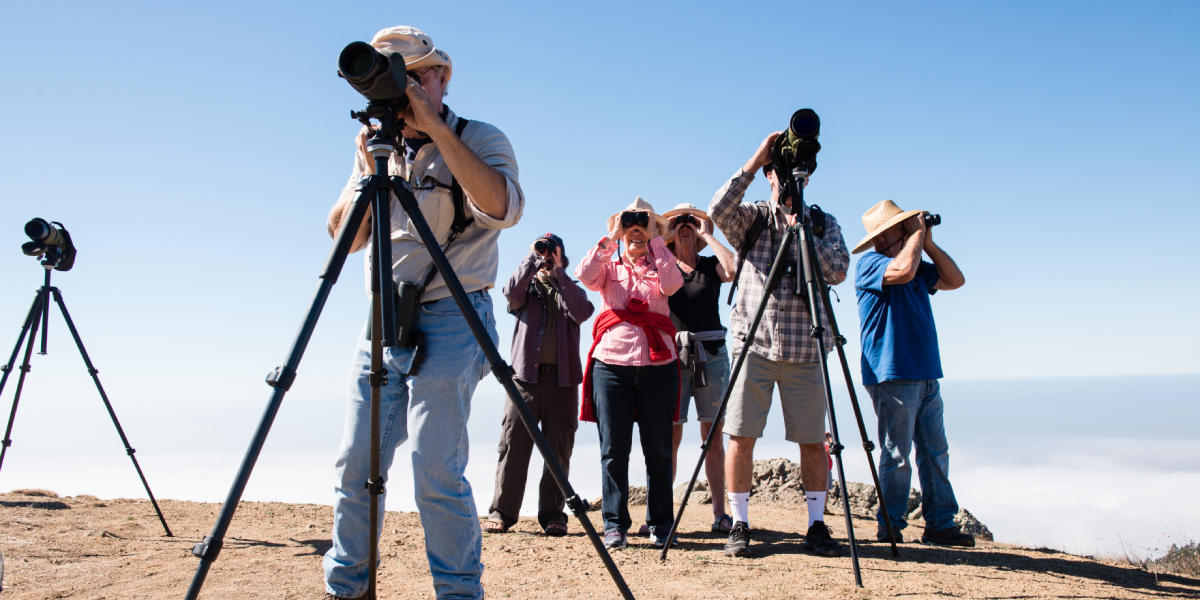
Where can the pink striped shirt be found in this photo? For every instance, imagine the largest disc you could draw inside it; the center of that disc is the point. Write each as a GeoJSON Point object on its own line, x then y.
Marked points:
{"type": "Point", "coordinates": [652, 279]}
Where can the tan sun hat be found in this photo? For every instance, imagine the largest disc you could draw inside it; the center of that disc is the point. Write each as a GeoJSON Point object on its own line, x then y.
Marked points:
{"type": "Point", "coordinates": [414, 45]}
{"type": "Point", "coordinates": [880, 218]}
{"type": "Point", "coordinates": [686, 208]}
{"type": "Point", "coordinates": [639, 205]}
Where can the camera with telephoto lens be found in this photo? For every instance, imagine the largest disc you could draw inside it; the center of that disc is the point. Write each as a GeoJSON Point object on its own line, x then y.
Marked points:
{"type": "Point", "coordinates": [380, 76]}
{"type": "Point", "coordinates": [50, 241]}
{"type": "Point", "coordinates": [797, 147]}
{"type": "Point", "coordinates": [931, 220]}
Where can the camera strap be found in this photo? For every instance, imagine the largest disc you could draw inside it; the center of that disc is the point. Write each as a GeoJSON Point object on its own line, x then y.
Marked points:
{"type": "Point", "coordinates": [755, 230]}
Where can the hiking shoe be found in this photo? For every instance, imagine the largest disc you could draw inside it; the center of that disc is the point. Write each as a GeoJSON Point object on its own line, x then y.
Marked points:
{"type": "Point", "coordinates": [819, 541]}
{"type": "Point", "coordinates": [659, 542]}
{"type": "Point", "coordinates": [882, 536]}
{"type": "Point", "coordinates": [951, 536]}
{"type": "Point", "coordinates": [556, 528]}
{"type": "Point", "coordinates": [644, 529]}
{"type": "Point", "coordinates": [614, 539]}
{"type": "Point", "coordinates": [328, 596]}
{"type": "Point", "coordinates": [739, 540]}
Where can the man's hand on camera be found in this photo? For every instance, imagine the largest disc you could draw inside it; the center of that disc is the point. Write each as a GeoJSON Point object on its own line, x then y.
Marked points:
{"type": "Point", "coordinates": [420, 114]}
{"type": "Point", "coordinates": [762, 156]}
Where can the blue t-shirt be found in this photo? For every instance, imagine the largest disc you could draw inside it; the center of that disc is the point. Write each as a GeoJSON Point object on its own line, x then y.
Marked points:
{"type": "Point", "coordinates": [899, 340]}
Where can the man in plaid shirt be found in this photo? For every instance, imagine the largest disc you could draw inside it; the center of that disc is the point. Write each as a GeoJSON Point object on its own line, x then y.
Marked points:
{"type": "Point", "coordinates": [782, 353]}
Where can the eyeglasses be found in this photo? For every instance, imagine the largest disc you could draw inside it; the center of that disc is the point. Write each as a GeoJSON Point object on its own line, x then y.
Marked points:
{"type": "Point", "coordinates": [630, 218]}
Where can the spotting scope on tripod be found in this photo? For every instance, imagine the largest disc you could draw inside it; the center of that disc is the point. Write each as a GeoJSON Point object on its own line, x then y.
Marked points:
{"type": "Point", "coordinates": [50, 242]}
{"type": "Point", "coordinates": [382, 78]}
{"type": "Point", "coordinates": [793, 157]}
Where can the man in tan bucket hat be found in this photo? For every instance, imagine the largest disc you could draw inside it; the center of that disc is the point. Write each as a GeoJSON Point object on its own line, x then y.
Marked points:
{"type": "Point", "coordinates": [782, 354]}
{"type": "Point", "coordinates": [901, 366]}
{"type": "Point", "coordinates": [464, 177]}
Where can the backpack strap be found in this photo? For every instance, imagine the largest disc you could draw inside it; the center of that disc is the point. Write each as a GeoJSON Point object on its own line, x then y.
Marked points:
{"type": "Point", "coordinates": [755, 230]}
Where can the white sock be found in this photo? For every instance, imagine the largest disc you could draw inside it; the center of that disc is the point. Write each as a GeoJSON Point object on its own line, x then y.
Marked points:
{"type": "Point", "coordinates": [739, 504]}
{"type": "Point", "coordinates": [816, 506]}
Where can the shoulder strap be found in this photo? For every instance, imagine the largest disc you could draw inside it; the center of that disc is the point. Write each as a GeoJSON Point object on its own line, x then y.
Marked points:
{"type": "Point", "coordinates": [461, 220]}
{"type": "Point", "coordinates": [755, 230]}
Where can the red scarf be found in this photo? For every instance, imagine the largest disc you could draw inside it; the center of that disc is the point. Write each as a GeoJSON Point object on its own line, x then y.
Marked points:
{"type": "Point", "coordinates": [652, 325]}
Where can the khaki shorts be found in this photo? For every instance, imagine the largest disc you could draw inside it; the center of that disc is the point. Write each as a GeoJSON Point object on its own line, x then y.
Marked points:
{"type": "Point", "coordinates": [801, 393]}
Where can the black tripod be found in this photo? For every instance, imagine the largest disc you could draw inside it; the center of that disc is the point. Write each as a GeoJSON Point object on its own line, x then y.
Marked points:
{"type": "Point", "coordinates": [375, 193]}
{"type": "Point", "coordinates": [39, 314]}
{"type": "Point", "coordinates": [806, 263]}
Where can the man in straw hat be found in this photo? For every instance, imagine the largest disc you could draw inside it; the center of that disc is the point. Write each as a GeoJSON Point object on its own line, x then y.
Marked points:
{"type": "Point", "coordinates": [442, 154]}
{"type": "Point", "coordinates": [782, 353]}
{"type": "Point", "coordinates": [901, 365]}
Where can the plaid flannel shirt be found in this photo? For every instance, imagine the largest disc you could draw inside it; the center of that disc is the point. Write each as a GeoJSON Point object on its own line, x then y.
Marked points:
{"type": "Point", "coordinates": [784, 334]}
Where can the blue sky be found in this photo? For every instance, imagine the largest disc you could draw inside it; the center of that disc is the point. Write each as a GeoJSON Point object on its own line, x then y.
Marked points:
{"type": "Point", "coordinates": [193, 151]}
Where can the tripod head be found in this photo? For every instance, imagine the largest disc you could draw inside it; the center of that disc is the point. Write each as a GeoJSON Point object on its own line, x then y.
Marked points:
{"type": "Point", "coordinates": [391, 124]}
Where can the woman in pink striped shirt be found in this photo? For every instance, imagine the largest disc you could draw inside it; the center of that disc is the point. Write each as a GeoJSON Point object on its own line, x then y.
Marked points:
{"type": "Point", "coordinates": [632, 373]}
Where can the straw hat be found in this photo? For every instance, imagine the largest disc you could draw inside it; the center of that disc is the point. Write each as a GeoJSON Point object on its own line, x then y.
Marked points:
{"type": "Point", "coordinates": [414, 45]}
{"type": "Point", "coordinates": [686, 208]}
{"type": "Point", "coordinates": [639, 205]}
{"type": "Point", "coordinates": [880, 218]}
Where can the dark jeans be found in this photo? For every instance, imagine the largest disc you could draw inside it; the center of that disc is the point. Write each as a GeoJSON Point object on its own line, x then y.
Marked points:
{"type": "Point", "coordinates": [556, 408]}
{"type": "Point", "coordinates": [645, 395]}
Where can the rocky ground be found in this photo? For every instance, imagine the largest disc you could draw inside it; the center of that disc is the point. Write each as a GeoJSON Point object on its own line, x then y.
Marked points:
{"type": "Point", "coordinates": [84, 547]}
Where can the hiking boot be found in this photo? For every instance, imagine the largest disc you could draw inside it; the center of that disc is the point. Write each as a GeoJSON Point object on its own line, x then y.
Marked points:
{"type": "Point", "coordinates": [882, 536]}
{"type": "Point", "coordinates": [819, 541]}
{"type": "Point", "coordinates": [951, 536]}
{"type": "Point", "coordinates": [614, 539]}
{"type": "Point", "coordinates": [739, 540]}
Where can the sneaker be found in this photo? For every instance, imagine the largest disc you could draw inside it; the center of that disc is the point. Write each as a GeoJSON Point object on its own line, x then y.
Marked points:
{"type": "Point", "coordinates": [950, 536]}
{"type": "Point", "coordinates": [556, 528]}
{"type": "Point", "coordinates": [881, 535]}
{"type": "Point", "coordinates": [819, 541]}
{"type": "Point", "coordinates": [644, 530]}
{"type": "Point", "coordinates": [614, 539]}
{"type": "Point", "coordinates": [659, 542]}
{"type": "Point", "coordinates": [328, 596]}
{"type": "Point", "coordinates": [739, 540]}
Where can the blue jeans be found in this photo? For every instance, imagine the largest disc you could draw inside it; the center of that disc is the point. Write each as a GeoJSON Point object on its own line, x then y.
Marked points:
{"type": "Point", "coordinates": [708, 398]}
{"type": "Point", "coordinates": [624, 395]}
{"type": "Point", "coordinates": [433, 407]}
{"type": "Point", "coordinates": [911, 412]}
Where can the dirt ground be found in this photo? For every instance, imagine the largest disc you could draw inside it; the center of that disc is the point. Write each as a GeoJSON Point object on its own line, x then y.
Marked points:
{"type": "Point", "coordinates": [84, 547]}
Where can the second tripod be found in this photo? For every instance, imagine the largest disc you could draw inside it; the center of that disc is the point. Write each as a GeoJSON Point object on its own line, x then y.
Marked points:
{"type": "Point", "coordinates": [39, 317]}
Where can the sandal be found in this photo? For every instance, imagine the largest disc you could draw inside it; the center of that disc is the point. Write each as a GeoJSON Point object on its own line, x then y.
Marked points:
{"type": "Point", "coordinates": [494, 526]}
{"type": "Point", "coordinates": [723, 524]}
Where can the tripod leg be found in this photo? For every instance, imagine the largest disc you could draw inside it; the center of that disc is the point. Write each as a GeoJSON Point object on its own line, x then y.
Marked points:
{"type": "Point", "coordinates": [777, 267]}
{"type": "Point", "coordinates": [94, 372]}
{"type": "Point", "coordinates": [811, 271]}
{"type": "Point", "coordinates": [30, 328]}
{"type": "Point", "coordinates": [868, 446]}
{"type": "Point", "coordinates": [280, 380]}
{"type": "Point", "coordinates": [504, 374]}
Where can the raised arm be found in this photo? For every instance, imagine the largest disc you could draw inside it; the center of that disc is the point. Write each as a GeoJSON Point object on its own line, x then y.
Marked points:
{"type": "Point", "coordinates": [517, 288]}
{"type": "Point", "coordinates": [949, 275]}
